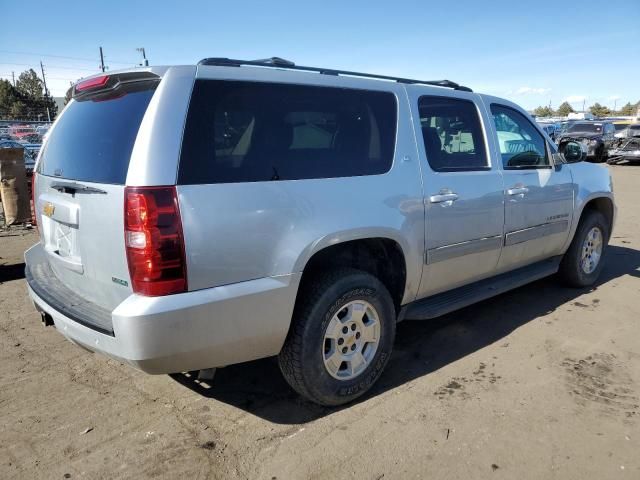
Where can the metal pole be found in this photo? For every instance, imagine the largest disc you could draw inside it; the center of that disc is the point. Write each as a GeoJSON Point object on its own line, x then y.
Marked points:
{"type": "Point", "coordinates": [144, 56]}
{"type": "Point", "coordinates": [44, 80]}
{"type": "Point", "coordinates": [101, 60]}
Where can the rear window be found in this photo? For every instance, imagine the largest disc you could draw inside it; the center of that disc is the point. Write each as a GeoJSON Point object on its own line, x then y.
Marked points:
{"type": "Point", "coordinates": [253, 132]}
{"type": "Point", "coordinates": [586, 127]}
{"type": "Point", "coordinates": [93, 139]}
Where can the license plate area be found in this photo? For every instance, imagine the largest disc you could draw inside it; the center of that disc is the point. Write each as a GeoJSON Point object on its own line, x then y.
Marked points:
{"type": "Point", "coordinates": [64, 240]}
{"type": "Point", "coordinates": [60, 228]}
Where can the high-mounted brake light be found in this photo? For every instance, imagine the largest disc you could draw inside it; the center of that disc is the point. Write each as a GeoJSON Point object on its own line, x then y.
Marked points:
{"type": "Point", "coordinates": [154, 241]}
{"type": "Point", "coordinates": [95, 82]}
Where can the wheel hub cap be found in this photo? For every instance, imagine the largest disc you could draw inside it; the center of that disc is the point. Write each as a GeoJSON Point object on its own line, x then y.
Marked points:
{"type": "Point", "coordinates": [591, 250]}
{"type": "Point", "coordinates": [351, 340]}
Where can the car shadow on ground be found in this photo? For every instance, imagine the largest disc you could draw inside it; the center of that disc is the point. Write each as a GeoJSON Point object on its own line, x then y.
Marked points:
{"type": "Point", "coordinates": [421, 347]}
{"type": "Point", "coordinates": [11, 272]}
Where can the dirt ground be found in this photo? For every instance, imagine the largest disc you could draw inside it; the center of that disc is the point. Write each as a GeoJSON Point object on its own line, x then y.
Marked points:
{"type": "Point", "coordinates": [542, 382]}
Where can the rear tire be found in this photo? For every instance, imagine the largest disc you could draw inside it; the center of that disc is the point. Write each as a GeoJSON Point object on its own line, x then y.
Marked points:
{"type": "Point", "coordinates": [582, 263]}
{"type": "Point", "coordinates": [341, 337]}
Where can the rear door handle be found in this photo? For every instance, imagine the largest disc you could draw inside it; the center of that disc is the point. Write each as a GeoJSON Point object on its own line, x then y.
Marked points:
{"type": "Point", "coordinates": [447, 198]}
{"type": "Point", "coordinates": [517, 191]}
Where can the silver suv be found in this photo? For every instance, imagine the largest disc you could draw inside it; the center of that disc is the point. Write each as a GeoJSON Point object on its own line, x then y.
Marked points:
{"type": "Point", "coordinates": [193, 217]}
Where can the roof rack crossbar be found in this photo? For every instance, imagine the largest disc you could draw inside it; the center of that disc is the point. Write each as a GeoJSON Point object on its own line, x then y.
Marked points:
{"type": "Point", "coordinates": [277, 62]}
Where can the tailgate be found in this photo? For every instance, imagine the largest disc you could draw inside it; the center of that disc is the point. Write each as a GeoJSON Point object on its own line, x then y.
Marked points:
{"type": "Point", "coordinates": [79, 187]}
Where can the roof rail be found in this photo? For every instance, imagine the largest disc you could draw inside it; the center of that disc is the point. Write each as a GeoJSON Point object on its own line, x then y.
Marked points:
{"type": "Point", "coordinates": [277, 62]}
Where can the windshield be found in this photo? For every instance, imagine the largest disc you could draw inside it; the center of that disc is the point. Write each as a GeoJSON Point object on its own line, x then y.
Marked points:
{"type": "Point", "coordinates": [586, 127]}
{"type": "Point", "coordinates": [93, 139]}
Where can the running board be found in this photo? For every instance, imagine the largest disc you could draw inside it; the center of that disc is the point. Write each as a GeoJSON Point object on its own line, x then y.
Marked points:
{"type": "Point", "coordinates": [443, 303]}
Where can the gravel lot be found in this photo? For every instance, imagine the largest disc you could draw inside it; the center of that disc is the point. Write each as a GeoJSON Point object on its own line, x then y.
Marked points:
{"type": "Point", "coordinates": [542, 382]}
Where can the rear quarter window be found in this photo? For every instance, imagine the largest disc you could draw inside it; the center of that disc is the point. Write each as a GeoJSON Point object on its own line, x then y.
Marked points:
{"type": "Point", "coordinates": [253, 132]}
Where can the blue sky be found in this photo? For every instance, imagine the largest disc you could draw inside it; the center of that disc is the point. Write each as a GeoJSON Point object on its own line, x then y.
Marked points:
{"type": "Point", "coordinates": [529, 52]}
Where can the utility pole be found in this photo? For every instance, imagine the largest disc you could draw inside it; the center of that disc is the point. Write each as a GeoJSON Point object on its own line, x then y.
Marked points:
{"type": "Point", "coordinates": [615, 102]}
{"type": "Point", "coordinates": [101, 60]}
{"type": "Point", "coordinates": [46, 90]}
{"type": "Point", "coordinates": [583, 104]}
{"type": "Point", "coordinates": [44, 80]}
{"type": "Point", "coordinates": [13, 76]}
{"type": "Point", "coordinates": [144, 56]}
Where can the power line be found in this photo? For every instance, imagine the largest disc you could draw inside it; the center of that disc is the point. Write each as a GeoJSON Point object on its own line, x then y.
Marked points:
{"type": "Point", "coordinates": [61, 56]}
{"type": "Point", "coordinates": [51, 66]}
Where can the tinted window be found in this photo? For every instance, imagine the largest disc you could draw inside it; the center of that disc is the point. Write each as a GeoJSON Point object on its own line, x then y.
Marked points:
{"type": "Point", "coordinates": [94, 137]}
{"type": "Point", "coordinates": [252, 132]}
{"type": "Point", "coordinates": [452, 134]}
{"type": "Point", "coordinates": [521, 144]}
{"type": "Point", "coordinates": [586, 127]}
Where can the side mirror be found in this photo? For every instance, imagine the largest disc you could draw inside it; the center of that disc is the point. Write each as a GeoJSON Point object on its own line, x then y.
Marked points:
{"type": "Point", "coordinates": [572, 151]}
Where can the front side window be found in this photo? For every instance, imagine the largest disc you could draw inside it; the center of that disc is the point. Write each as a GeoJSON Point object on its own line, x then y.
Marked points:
{"type": "Point", "coordinates": [255, 132]}
{"type": "Point", "coordinates": [452, 134]}
{"type": "Point", "coordinates": [521, 144]}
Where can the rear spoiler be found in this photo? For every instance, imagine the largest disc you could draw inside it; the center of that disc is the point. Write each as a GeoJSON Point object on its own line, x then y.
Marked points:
{"type": "Point", "coordinates": [106, 84]}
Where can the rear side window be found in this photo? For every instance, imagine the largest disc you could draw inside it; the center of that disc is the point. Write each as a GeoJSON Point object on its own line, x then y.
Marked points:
{"type": "Point", "coordinates": [452, 134]}
{"type": "Point", "coordinates": [254, 132]}
{"type": "Point", "coordinates": [94, 137]}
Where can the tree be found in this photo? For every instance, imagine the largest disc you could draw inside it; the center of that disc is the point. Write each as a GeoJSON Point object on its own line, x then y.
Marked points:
{"type": "Point", "coordinates": [543, 112]}
{"type": "Point", "coordinates": [565, 109]}
{"type": "Point", "coordinates": [12, 103]}
{"type": "Point", "coordinates": [18, 110]}
{"type": "Point", "coordinates": [27, 100]}
{"type": "Point", "coordinates": [599, 110]}
{"type": "Point", "coordinates": [30, 85]}
{"type": "Point", "coordinates": [627, 110]}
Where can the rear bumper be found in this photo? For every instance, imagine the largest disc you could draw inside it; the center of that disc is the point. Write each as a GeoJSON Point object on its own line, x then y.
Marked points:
{"type": "Point", "coordinates": [190, 331]}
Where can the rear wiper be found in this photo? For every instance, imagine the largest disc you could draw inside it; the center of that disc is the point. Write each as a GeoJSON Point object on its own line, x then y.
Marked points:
{"type": "Point", "coordinates": [72, 187]}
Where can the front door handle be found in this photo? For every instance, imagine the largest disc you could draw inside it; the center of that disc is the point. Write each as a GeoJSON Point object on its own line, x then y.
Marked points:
{"type": "Point", "coordinates": [518, 191]}
{"type": "Point", "coordinates": [446, 198]}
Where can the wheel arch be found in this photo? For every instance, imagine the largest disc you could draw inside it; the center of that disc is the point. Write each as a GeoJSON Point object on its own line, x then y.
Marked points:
{"type": "Point", "coordinates": [600, 202]}
{"type": "Point", "coordinates": [380, 253]}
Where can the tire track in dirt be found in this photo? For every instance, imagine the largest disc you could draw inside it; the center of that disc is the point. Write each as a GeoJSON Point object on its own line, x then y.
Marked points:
{"type": "Point", "coordinates": [600, 379]}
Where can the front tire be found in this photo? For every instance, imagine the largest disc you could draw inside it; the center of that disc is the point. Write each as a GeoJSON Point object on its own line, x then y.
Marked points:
{"type": "Point", "coordinates": [583, 262]}
{"type": "Point", "coordinates": [341, 337]}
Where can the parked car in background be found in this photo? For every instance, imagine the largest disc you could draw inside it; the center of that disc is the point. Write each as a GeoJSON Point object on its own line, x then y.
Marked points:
{"type": "Point", "coordinates": [18, 132]}
{"type": "Point", "coordinates": [596, 136]}
{"type": "Point", "coordinates": [42, 129]}
{"type": "Point", "coordinates": [199, 216]}
{"type": "Point", "coordinates": [619, 126]}
{"type": "Point", "coordinates": [580, 116]}
{"type": "Point", "coordinates": [626, 148]}
{"type": "Point", "coordinates": [552, 129]}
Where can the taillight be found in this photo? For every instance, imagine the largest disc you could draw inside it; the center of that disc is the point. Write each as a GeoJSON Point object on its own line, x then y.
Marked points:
{"type": "Point", "coordinates": [154, 241]}
{"type": "Point", "coordinates": [34, 210]}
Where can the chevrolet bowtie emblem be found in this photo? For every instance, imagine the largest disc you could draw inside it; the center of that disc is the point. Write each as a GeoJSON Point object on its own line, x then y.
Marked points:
{"type": "Point", "coordinates": [48, 209]}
